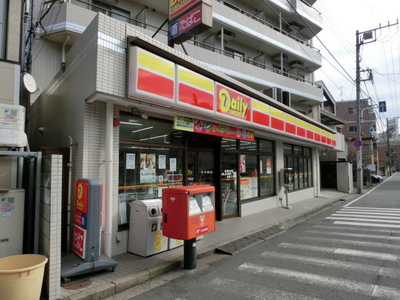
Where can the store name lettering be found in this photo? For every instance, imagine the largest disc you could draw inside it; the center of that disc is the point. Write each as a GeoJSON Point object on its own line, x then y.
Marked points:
{"type": "Point", "coordinates": [228, 104]}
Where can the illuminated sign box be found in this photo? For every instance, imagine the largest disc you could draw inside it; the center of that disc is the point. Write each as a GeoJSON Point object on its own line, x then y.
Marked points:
{"type": "Point", "coordinates": [189, 24]}
{"type": "Point", "coordinates": [179, 7]}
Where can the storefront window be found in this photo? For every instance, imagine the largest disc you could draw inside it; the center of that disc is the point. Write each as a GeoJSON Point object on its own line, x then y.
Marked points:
{"type": "Point", "coordinates": [150, 159]}
{"type": "Point", "coordinates": [266, 175]}
{"type": "Point", "coordinates": [258, 178]}
{"type": "Point", "coordinates": [299, 159]}
{"type": "Point", "coordinates": [248, 176]}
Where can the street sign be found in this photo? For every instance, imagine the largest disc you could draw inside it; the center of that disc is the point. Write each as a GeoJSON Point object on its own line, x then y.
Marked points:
{"type": "Point", "coordinates": [382, 106]}
{"type": "Point", "coordinates": [357, 143]}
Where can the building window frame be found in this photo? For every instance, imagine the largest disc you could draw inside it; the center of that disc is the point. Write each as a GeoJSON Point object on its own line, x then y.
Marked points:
{"type": "Point", "coordinates": [299, 158]}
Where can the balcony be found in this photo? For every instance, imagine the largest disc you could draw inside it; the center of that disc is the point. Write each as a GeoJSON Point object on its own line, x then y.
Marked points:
{"type": "Point", "coordinates": [269, 39]}
{"type": "Point", "coordinates": [73, 19]}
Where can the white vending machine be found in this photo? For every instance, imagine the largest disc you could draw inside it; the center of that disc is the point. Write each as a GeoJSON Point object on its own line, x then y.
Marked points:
{"type": "Point", "coordinates": [145, 232]}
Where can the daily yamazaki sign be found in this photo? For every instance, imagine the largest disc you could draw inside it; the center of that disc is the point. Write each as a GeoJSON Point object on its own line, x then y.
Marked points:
{"type": "Point", "coordinates": [161, 81]}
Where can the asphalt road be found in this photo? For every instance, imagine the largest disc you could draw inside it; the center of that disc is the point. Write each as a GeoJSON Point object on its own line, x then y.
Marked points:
{"type": "Point", "coordinates": [350, 251]}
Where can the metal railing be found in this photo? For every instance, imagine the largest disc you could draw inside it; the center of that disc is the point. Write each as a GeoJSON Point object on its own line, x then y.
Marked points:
{"type": "Point", "coordinates": [206, 46]}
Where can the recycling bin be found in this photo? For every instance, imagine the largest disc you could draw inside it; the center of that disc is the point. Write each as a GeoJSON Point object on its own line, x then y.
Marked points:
{"type": "Point", "coordinates": [145, 232]}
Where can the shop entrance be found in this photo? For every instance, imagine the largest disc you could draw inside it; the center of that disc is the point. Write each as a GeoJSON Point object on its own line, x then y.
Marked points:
{"type": "Point", "coordinates": [204, 167]}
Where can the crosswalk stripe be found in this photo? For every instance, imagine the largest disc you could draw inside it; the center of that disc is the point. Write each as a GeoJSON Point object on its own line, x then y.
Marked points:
{"type": "Point", "coordinates": [343, 251]}
{"type": "Point", "coordinates": [334, 263]}
{"type": "Point", "coordinates": [355, 235]}
{"type": "Point", "coordinates": [351, 242]}
{"type": "Point", "coordinates": [253, 291]}
{"type": "Point", "coordinates": [308, 278]}
{"type": "Point", "coordinates": [366, 224]}
{"type": "Point", "coordinates": [368, 213]}
{"type": "Point", "coordinates": [364, 219]}
{"type": "Point", "coordinates": [349, 229]}
{"type": "Point", "coordinates": [371, 208]}
{"type": "Point", "coordinates": [365, 216]}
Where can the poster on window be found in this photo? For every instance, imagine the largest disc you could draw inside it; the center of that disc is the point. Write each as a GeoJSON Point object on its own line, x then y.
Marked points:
{"type": "Point", "coordinates": [242, 163]}
{"type": "Point", "coordinates": [268, 163]}
{"type": "Point", "coordinates": [147, 168]}
{"type": "Point", "coordinates": [130, 161]}
{"type": "Point", "coordinates": [172, 164]}
{"type": "Point", "coordinates": [162, 162]}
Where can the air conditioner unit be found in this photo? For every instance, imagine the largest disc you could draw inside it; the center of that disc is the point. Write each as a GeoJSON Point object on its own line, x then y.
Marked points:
{"type": "Point", "coordinates": [297, 64]}
{"type": "Point", "coordinates": [12, 126]}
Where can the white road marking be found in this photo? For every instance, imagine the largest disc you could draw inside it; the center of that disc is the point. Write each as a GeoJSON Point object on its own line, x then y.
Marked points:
{"type": "Point", "coordinates": [343, 251]}
{"type": "Point", "coordinates": [253, 291]}
{"type": "Point", "coordinates": [355, 235]}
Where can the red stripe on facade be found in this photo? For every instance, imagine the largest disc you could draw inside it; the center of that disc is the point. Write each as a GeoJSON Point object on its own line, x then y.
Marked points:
{"type": "Point", "coordinates": [301, 131]}
{"type": "Point", "coordinates": [260, 118]}
{"type": "Point", "coordinates": [155, 84]}
{"type": "Point", "coordinates": [290, 128]}
{"type": "Point", "coordinates": [195, 97]}
{"type": "Point", "coordinates": [277, 124]}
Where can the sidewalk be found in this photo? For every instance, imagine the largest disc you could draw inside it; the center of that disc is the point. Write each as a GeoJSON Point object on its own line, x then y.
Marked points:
{"type": "Point", "coordinates": [133, 269]}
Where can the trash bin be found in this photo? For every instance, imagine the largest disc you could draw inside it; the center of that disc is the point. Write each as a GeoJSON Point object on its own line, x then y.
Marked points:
{"type": "Point", "coordinates": [21, 276]}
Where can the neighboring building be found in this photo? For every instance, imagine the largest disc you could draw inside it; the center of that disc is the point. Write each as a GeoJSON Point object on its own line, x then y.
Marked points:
{"type": "Point", "coordinates": [348, 111]}
{"type": "Point", "coordinates": [336, 170]}
{"type": "Point", "coordinates": [389, 160]}
{"type": "Point", "coordinates": [231, 107]}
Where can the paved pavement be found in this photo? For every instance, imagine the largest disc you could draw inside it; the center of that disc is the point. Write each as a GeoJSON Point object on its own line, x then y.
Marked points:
{"type": "Point", "coordinates": [230, 235]}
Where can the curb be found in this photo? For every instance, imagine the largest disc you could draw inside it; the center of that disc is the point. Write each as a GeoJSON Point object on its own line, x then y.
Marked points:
{"type": "Point", "coordinates": [129, 281]}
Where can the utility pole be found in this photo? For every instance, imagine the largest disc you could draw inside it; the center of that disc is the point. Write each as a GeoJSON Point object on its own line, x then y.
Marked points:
{"type": "Point", "coordinates": [362, 38]}
{"type": "Point", "coordinates": [388, 144]}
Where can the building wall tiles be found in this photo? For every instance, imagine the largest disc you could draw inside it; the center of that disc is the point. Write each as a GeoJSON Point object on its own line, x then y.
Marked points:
{"type": "Point", "coordinates": [50, 223]}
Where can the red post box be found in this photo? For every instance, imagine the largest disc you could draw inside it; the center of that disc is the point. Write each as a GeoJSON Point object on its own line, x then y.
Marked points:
{"type": "Point", "coordinates": [188, 211]}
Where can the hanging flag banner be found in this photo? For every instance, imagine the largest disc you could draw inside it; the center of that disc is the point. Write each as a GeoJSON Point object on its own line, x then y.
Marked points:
{"type": "Point", "coordinates": [211, 128]}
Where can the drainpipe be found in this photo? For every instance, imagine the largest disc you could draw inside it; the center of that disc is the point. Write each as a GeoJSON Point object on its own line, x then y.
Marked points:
{"type": "Point", "coordinates": [63, 52]}
{"type": "Point", "coordinates": [108, 178]}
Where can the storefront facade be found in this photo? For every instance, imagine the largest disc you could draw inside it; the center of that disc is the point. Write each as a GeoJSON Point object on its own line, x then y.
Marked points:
{"type": "Point", "coordinates": [143, 117]}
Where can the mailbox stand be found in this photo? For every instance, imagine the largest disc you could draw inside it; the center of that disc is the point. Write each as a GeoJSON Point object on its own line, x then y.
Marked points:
{"type": "Point", "coordinates": [188, 212]}
{"type": "Point", "coordinates": [189, 254]}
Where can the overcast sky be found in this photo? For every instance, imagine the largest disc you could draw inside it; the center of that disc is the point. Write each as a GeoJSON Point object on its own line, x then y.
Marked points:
{"type": "Point", "coordinates": [341, 20]}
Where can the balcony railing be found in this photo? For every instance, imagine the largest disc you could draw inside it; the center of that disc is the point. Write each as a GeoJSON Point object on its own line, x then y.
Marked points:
{"type": "Point", "coordinates": [268, 24]}
{"type": "Point", "coordinates": [136, 22]}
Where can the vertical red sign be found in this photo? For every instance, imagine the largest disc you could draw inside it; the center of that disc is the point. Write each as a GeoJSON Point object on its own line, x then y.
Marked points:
{"type": "Point", "coordinates": [79, 241]}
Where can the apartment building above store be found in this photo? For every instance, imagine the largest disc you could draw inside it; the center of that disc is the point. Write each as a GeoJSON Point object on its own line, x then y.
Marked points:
{"type": "Point", "coordinates": [265, 44]}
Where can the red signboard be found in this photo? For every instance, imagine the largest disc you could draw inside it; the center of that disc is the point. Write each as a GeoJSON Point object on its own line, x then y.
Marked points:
{"type": "Point", "coordinates": [79, 241]}
{"type": "Point", "coordinates": [177, 7]}
{"type": "Point", "coordinates": [191, 23]}
{"type": "Point", "coordinates": [81, 196]}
